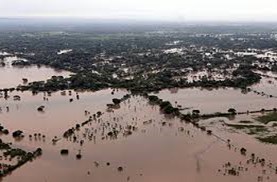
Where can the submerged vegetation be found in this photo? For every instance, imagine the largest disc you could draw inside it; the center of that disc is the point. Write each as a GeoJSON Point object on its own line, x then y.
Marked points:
{"type": "Point", "coordinates": [140, 62]}
{"type": "Point", "coordinates": [269, 117]}
{"type": "Point", "coordinates": [239, 126]}
{"type": "Point", "coordinates": [21, 155]}
{"type": "Point", "coordinates": [251, 129]}
{"type": "Point", "coordinates": [269, 139]}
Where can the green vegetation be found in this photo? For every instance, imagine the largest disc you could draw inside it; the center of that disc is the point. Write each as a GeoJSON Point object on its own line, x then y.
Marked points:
{"type": "Point", "coordinates": [154, 99]}
{"type": "Point", "coordinates": [232, 111]}
{"type": "Point", "coordinates": [64, 151]}
{"type": "Point", "coordinates": [240, 126]}
{"type": "Point", "coordinates": [4, 146]}
{"type": "Point", "coordinates": [245, 122]}
{"type": "Point", "coordinates": [250, 129]}
{"type": "Point", "coordinates": [269, 139]}
{"type": "Point", "coordinates": [267, 118]}
{"type": "Point", "coordinates": [138, 61]}
{"type": "Point", "coordinates": [116, 101]}
{"type": "Point", "coordinates": [21, 156]}
{"type": "Point", "coordinates": [14, 152]}
{"type": "Point", "coordinates": [258, 130]}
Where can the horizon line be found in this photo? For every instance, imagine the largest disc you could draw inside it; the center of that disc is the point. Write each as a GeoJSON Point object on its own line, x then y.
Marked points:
{"type": "Point", "coordinates": [57, 18]}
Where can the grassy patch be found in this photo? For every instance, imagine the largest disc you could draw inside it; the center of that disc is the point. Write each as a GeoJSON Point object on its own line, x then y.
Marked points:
{"type": "Point", "coordinates": [245, 122]}
{"type": "Point", "coordinates": [254, 131]}
{"type": "Point", "coordinates": [239, 126]}
{"type": "Point", "coordinates": [267, 118]}
{"type": "Point", "coordinates": [250, 129]}
{"type": "Point", "coordinates": [268, 139]}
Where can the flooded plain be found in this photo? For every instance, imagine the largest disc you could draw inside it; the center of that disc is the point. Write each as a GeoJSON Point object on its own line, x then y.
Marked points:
{"type": "Point", "coordinates": [59, 113]}
{"type": "Point", "coordinates": [267, 84]}
{"type": "Point", "coordinates": [136, 141]}
{"type": "Point", "coordinates": [157, 148]}
{"type": "Point", "coordinates": [216, 100]}
{"type": "Point", "coordinates": [11, 76]}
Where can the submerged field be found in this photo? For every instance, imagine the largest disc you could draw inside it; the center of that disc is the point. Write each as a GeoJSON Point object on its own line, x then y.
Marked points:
{"type": "Point", "coordinates": [136, 141]}
{"type": "Point", "coordinates": [159, 104]}
{"type": "Point", "coordinates": [11, 76]}
{"type": "Point", "coordinates": [149, 146]}
{"type": "Point", "coordinates": [210, 101]}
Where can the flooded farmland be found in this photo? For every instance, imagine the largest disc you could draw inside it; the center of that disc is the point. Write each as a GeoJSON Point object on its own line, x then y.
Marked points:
{"type": "Point", "coordinates": [267, 84]}
{"type": "Point", "coordinates": [216, 100]}
{"type": "Point", "coordinates": [59, 113]}
{"type": "Point", "coordinates": [11, 76]}
{"type": "Point", "coordinates": [196, 156]}
{"type": "Point", "coordinates": [149, 146]}
{"type": "Point", "coordinates": [135, 141]}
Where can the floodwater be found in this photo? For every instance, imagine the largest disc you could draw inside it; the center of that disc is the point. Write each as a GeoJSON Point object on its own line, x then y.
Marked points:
{"type": "Point", "coordinates": [59, 113]}
{"type": "Point", "coordinates": [156, 148]}
{"type": "Point", "coordinates": [267, 84]}
{"type": "Point", "coordinates": [217, 100]}
{"type": "Point", "coordinates": [11, 76]}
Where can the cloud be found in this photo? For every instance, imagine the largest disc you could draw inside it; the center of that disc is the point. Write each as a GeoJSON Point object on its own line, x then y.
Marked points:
{"type": "Point", "coordinates": [144, 9]}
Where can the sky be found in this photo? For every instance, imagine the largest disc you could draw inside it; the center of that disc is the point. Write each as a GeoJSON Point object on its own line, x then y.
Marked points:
{"type": "Point", "coordinates": [167, 10]}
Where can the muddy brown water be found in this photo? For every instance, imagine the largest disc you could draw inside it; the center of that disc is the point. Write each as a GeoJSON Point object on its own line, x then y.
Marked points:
{"type": "Point", "coordinates": [158, 151]}
{"type": "Point", "coordinates": [11, 76]}
{"type": "Point", "coordinates": [59, 113]}
{"type": "Point", "coordinates": [217, 100]}
{"type": "Point", "coordinates": [164, 149]}
{"type": "Point", "coordinates": [267, 85]}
